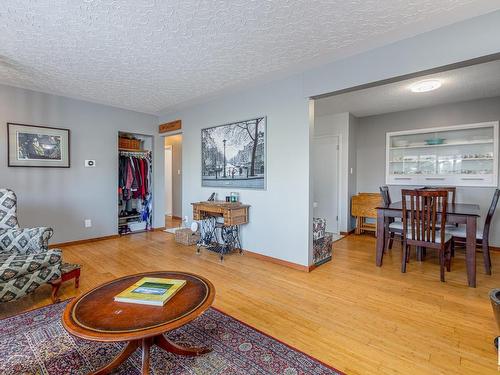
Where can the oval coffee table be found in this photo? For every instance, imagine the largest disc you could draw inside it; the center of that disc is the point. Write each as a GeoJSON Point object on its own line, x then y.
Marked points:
{"type": "Point", "coordinates": [96, 316]}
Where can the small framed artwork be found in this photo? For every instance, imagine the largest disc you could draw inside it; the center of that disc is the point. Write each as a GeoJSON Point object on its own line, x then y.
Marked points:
{"type": "Point", "coordinates": [37, 146]}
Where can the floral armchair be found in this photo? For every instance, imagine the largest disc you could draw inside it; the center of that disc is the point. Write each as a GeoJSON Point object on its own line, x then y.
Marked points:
{"type": "Point", "coordinates": [26, 262]}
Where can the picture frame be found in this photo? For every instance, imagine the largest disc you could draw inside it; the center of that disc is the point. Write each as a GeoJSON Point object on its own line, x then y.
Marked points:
{"type": "Point", "coordinates": [37, 146]}
{"type": "Point", "coordinates": [233, 155]}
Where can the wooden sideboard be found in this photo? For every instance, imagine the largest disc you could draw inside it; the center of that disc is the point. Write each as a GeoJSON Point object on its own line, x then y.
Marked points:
{"type": "Point", "coordinates": [234, 213]}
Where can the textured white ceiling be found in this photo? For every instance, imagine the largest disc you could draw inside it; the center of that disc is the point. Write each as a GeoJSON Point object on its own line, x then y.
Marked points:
{"type": "Point", "coordinates": [153, 55]}
{"type": "Point", "coordinates": [469, 83]}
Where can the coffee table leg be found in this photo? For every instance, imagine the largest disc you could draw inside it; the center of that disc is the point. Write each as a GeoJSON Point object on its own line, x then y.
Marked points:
{"type": "Point", "coordinates": [122, 357]}
{"type": "Point", "coordinates": [172, 347]}
{"type": "Point", "coordinates": [146, 345]}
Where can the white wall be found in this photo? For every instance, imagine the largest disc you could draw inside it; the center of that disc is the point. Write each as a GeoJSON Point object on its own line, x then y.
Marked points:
{"type": "Point", "coordinates": [62, 198]}
{"type": "Point", "coordinates": [344, 125]}
{"type": "Point", "coordinates": [279, 215]}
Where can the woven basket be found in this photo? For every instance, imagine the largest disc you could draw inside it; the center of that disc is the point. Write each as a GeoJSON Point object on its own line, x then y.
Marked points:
{"type": "Point", "coordinates": [129, 144]}
{"type": "Point", "coordinates": [186, 236]}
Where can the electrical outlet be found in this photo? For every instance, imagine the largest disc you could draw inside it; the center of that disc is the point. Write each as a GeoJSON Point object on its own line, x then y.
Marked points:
{"type": "Point", "coordinates": [88, 223]}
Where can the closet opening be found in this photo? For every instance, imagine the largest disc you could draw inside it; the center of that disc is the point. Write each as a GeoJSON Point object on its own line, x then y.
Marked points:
{"type": "Point", "coordinates": [135, 183]}
{"type": "Point", "coordinates": [173, 181]}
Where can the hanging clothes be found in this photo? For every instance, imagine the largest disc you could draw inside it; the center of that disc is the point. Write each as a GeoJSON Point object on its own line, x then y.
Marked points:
{"type": "Point", "coordinates": [134, 182]}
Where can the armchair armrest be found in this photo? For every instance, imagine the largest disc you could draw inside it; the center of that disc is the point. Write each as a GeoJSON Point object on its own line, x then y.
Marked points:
{"type": "Point", "coordinates": [25, 241]}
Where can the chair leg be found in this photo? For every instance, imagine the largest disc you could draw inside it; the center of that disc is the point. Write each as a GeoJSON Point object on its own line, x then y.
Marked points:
{"type": "Point", "coordinates": [56, 284]}
{"type": "Point", "coordinates": [448, 257]}
{"type": "Point", "coordinates": [405, 257]}
{"type": "Point", "coordinates": [486, 256]}
{"type": "Point", "coordinates": [441, 264]}
{"type": "Point", "coordinates": [452, 248]}
{"type": "Point", "coordinates": [391, 240]}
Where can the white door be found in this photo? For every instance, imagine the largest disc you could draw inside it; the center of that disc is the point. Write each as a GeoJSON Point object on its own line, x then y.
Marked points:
{"type": "Point", "coordinates": [325, 180]}
{"type": "Point", "coordinates": [168, 181]}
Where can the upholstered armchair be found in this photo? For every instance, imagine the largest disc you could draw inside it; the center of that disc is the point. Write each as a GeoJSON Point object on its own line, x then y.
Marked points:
{"type": "Point", "coordinates": [26, 262]}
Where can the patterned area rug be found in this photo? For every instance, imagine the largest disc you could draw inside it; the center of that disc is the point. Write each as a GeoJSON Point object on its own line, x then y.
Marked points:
{"type": "Point", "coordinates": [36, 343]}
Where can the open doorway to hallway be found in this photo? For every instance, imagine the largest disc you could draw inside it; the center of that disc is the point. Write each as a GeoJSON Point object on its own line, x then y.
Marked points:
{"type": "Point", "coordinates": [173, 181]}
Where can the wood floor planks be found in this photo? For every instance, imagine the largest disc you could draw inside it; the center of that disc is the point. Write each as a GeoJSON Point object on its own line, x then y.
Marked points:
{"type": "Point", "coordinates": [359, 318]}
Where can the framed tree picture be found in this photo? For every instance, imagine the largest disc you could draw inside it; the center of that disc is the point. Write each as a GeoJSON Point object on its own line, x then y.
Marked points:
{"type": "Point", "coordinates": [37, 146]}
{"type": "Point", "coordinates": [234, 155]}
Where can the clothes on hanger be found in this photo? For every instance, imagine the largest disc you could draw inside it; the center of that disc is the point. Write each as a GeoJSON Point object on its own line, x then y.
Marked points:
{"type": "Point", "coordinates": [134, 184]}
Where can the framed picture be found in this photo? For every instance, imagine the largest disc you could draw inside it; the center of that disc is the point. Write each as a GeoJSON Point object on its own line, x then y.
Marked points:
{"type": "Point", "coordinates": [37, 146]}
{"type": "Point", "coordinates": [234, 155]}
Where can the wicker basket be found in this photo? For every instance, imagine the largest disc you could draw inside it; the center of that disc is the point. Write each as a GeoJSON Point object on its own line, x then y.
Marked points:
{"type": "Point", "coordinates": [129, 144]}
{"type": "Point", "coordinates": [186, 236]}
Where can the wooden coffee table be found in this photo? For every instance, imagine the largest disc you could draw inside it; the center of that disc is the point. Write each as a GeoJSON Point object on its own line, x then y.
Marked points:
{"type": "Point", "coordinates": [96, 316]}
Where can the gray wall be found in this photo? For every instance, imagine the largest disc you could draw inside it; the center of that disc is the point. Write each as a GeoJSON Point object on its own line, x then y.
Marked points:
{"type": "Point", "coordinates": [371, 146]}
{"type": "Point", "coordinates": [63, 198]}
{"type": "Point", "coordinates": [176, 142]}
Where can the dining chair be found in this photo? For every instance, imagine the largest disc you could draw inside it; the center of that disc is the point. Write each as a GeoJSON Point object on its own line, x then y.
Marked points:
{"type": "Point", "coordinates": [423, 210]}
{"type": "Point", "coordinates": [452, 191]}
{"type": "Point", "coordinates": [482, 237]}
{"type": "Point", "coordinates": [392, 227]}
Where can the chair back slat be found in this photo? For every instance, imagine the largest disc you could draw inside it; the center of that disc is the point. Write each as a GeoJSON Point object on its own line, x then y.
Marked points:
{"type": "Point", "coordinates": [384, 190]}
{"type": "Point", "coordinates": [452, 191]}
{"type": "Point", "coordinates": [427, 209]}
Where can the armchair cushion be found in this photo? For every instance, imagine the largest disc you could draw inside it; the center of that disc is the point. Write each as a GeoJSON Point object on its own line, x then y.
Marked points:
{"type": "Point", "coordinates": [24, 241]}
{"type": "Point", "coordinates": [20, 274]}
{"type": "Point", "coordinates": [8, 213]}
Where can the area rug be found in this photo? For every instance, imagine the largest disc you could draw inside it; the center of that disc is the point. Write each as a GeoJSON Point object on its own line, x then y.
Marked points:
{"type": "Point", "coordinates": [36, 343]}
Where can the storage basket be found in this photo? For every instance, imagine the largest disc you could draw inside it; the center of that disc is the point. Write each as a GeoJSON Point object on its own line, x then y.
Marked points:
{"type": "Point", "coordinates": [186, 236]}
{"type": "Point", "coordinates": [129, 144]}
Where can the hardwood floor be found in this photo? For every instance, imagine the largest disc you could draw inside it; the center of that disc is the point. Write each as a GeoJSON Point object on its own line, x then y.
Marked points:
{"type": "Point", "coordinates": [172, 222]}
{"type": "Point", "coordinates": [359, 318]}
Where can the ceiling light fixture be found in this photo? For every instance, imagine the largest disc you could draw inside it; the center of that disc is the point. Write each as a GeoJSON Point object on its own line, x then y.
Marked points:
{"type": "Point", "coordinates": [426, 85]}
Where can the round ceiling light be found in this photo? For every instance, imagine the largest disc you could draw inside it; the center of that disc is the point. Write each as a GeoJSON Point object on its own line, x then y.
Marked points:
{"type": "Point", "coordinates": [426, 85]}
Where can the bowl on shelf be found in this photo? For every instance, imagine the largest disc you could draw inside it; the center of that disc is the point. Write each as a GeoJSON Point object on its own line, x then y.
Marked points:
{"type": "Point", "coordinates": [401, 143]}
{"type": "Point", "coordinates": [434, 141]}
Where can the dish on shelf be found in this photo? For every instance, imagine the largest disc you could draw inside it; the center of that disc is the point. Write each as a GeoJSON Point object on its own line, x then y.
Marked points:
{"type": "Point", "coordinates": [401, 143]}
{"type": "Point", "coordinates": [434, 141]}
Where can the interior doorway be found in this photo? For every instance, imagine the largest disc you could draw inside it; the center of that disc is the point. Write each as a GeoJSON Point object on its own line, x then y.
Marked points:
{"type": "Point", "coordinates": [325, 169]}
{"type": "Point", "coordinates": [173, 181]}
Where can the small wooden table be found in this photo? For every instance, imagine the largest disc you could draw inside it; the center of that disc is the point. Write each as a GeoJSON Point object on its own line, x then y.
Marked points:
{"type": "Point", "coordinates": [459, 213]}
{"type": "Point", "coordinates": [96, 316]}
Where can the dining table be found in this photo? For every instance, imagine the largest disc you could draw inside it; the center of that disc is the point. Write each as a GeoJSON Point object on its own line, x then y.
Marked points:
{"type": "Point", "coordinates": [456, 213]}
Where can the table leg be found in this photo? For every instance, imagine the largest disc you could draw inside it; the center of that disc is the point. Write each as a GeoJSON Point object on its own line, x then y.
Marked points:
{"type": "Point", "coordinates": [471, 250]}
{"type": "Point", "coordinates": [380, 236]}
{"type": "Point", "coordinates": [146, 345]}
{"type": "Point", "coordinates": [172, 347]}
{"type": "Point", "coordinates": [122, 357]}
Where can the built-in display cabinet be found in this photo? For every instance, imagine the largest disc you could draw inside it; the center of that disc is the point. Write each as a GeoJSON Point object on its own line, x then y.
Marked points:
{"type": "Point", "coordinates": [462, 155]}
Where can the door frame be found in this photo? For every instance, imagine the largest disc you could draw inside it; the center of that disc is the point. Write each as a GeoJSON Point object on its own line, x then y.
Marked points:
{"type": "Point", "coordinates": [171, 188]}
{"type": "Point", "coordinates": [337, 150]}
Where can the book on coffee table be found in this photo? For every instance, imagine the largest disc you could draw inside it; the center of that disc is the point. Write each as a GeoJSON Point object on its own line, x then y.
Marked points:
{"type": "Point", "coordinates": [151, 291]}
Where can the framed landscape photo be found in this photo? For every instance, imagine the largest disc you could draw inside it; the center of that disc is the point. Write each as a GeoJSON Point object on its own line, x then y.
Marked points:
{"type": "Point", "coordinates": [234, 155]}
{"type": "Point", "coordinates": [37, 146]}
